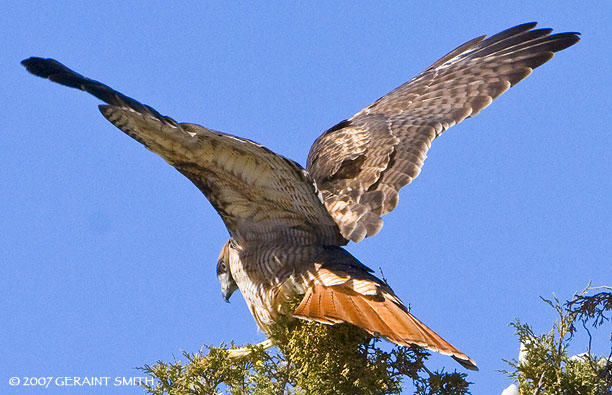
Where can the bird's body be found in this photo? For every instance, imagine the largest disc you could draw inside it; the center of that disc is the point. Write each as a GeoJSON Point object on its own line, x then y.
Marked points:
{"type": "Point", "coordinates": [287, 224]}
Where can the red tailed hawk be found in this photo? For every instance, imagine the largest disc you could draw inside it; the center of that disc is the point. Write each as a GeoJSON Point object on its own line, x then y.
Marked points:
{"type": "Point", "coordinates": [288, 224]}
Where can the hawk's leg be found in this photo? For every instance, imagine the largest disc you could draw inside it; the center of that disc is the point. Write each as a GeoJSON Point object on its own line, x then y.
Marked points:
{"type": "Point", "coordinates": [243, 351]}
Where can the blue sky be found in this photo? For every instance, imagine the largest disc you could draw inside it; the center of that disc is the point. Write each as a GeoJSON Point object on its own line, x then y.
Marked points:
{"type": "Point", "coordinates": [109, 254]}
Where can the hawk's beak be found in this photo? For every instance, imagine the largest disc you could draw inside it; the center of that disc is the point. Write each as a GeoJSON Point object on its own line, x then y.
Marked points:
{"type": "Point", "coordinates": [228, 286]}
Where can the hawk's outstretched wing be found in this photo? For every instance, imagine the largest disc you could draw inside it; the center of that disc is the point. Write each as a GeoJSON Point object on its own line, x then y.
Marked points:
{"type": "Point", "coordinates": [260, 195]}
{"type": "Point", "coordinates": [360, 164]}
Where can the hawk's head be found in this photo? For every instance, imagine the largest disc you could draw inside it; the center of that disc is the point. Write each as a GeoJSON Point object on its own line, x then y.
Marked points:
{"type": "Point", "coordinates": [228, 284]}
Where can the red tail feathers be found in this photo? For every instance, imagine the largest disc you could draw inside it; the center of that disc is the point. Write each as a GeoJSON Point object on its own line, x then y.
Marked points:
{"type": "Point", "coordinates": [378, 316]}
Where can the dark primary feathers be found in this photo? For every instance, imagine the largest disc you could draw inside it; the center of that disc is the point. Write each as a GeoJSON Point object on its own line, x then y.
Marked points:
{"type": "Point", "coordinates": [57, 72]}
{"type": "Point", "coordinates": [360, 164]}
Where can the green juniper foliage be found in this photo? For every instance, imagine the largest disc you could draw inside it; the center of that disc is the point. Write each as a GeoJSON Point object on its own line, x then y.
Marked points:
{"type": "Point", "coordinates": [311, 358]}
{"type": "Point", "coordinates": [548, 368]}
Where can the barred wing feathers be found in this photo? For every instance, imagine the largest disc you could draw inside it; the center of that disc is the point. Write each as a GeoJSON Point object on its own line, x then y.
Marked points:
{"type": "Point", "coordinates": [260, 195]}
{"type": "Point", "coordinates": [360, 164]}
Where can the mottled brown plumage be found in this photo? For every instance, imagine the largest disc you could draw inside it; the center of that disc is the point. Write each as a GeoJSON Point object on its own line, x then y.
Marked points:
{"type": "Point", "coordinates": [287, 224]}
{"type": "Point", "coordinates": [390, 138]}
